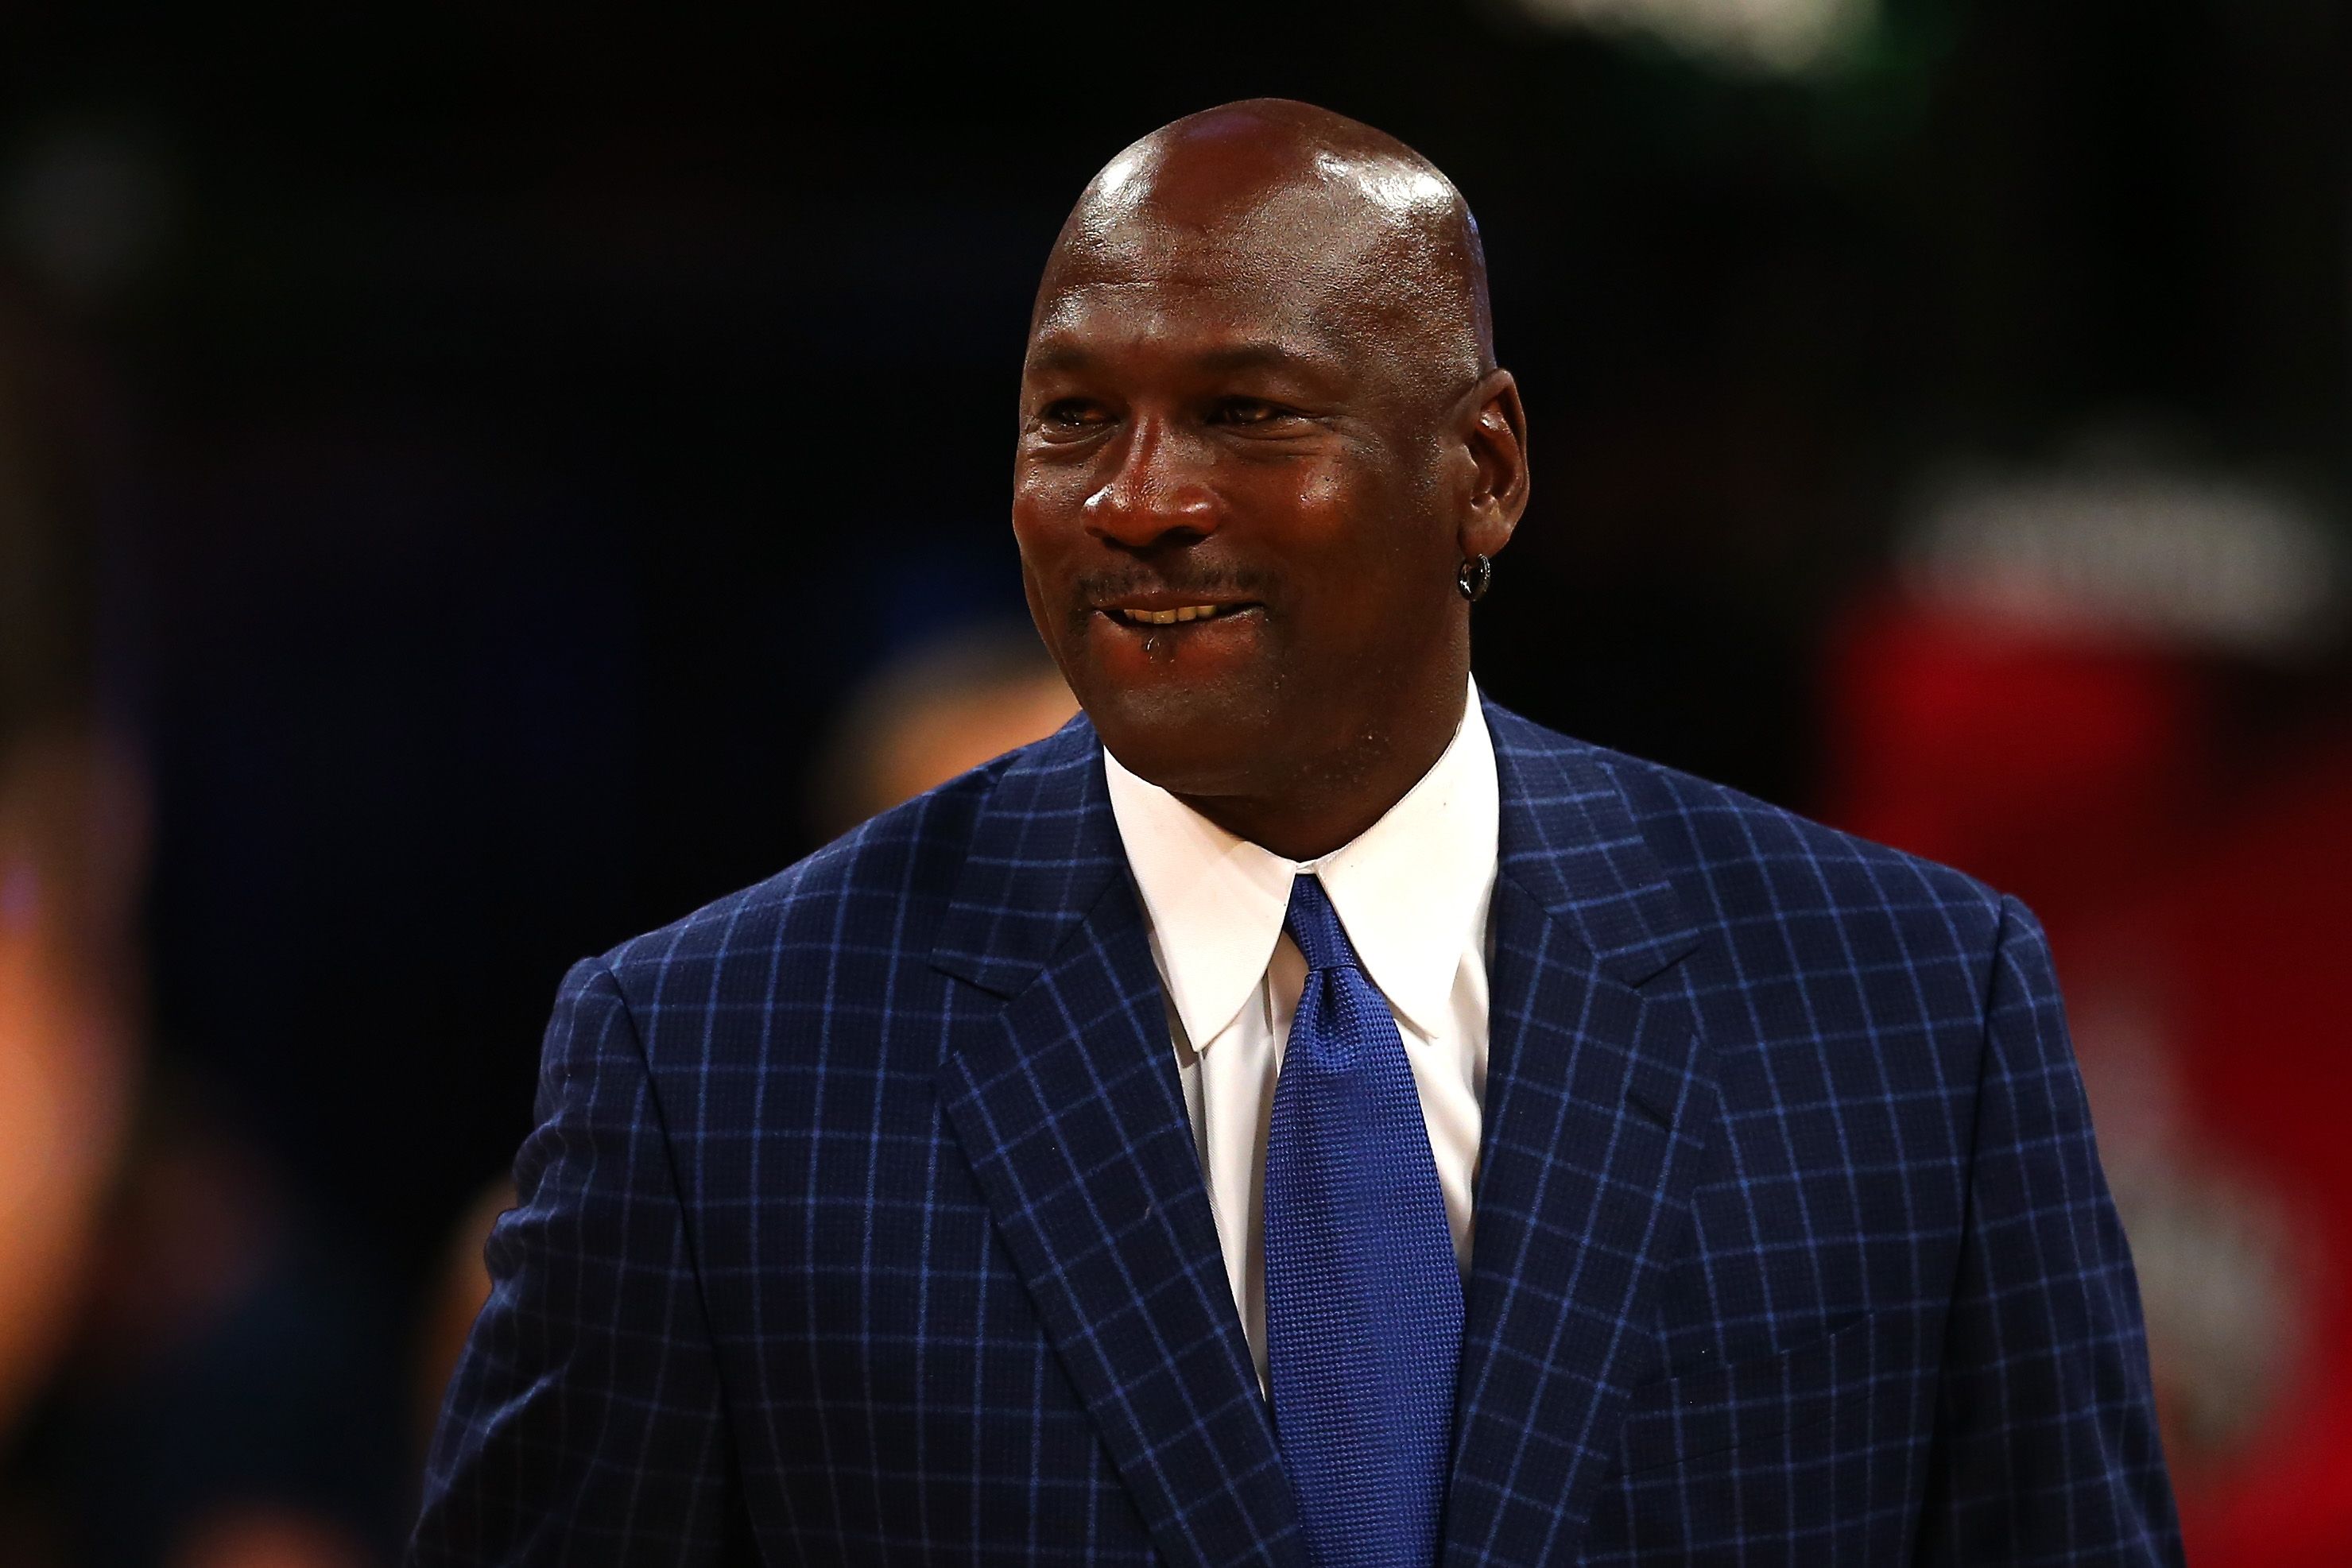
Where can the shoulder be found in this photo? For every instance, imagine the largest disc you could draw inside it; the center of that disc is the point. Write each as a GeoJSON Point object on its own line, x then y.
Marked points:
{"type": "Point", "coordinates": [877, 891]}
{"type": "Point", "coordinates": [1777, 884]}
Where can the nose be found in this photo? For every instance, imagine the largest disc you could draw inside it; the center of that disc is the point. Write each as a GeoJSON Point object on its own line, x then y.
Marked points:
{"type": "Point", "coordinates": [1159, 493]}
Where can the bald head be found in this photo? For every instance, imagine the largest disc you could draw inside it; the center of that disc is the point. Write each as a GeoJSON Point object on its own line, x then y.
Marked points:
{"type": "Point", "coordinates": [1367, 242]}
{"type": "Point", "coordinates": [1263, 443]}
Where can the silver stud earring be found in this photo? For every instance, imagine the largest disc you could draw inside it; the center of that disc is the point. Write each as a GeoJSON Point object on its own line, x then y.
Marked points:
{"type": "Point", "coordinates": [1477, 574]}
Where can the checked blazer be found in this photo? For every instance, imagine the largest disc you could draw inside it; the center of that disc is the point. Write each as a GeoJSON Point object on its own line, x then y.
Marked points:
{"type": "Point", "coordinates": [863, 1222]}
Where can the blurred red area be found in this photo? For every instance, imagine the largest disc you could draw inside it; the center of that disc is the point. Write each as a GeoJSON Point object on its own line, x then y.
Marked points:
{"type": "Point", "coordinates": [2195, 898]}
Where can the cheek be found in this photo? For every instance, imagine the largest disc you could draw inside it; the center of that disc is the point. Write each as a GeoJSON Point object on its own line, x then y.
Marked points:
{"type": "Point", "coordinates": [1046, 534]}
{"type": "Point", "coordinates": [1041, 524]}
{"type": "Point", "coordinates": [1377, 563]}
{"type": "Point", "coordinates": [1308, 514]}
{"type": "Point", "coordinates": [1351, 526]}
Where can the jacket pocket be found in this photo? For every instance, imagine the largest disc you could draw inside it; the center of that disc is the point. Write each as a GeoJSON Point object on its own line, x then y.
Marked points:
{"type": "Point", "coordinates": [1719, 1408]}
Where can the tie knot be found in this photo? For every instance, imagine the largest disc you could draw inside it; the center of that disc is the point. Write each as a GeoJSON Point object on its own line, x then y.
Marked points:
{"type": "Point", "coordinates": [1314, 925]}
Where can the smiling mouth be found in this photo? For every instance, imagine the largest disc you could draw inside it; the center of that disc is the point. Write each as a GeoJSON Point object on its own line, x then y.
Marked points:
{"type": "Point", "coordinates": [1180, 613]}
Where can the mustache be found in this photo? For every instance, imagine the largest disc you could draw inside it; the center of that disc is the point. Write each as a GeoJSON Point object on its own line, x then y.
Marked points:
{"type": "Point", "coordinates": [1194, 581]}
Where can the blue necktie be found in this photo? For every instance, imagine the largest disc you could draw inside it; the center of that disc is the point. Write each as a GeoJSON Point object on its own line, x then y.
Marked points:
{"type": "Point", "coordinates": [1363, 1297]}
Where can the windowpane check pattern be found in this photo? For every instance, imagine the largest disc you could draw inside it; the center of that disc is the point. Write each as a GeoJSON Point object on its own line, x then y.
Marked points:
{"type": "Point", "coordinates": [863, 1222]}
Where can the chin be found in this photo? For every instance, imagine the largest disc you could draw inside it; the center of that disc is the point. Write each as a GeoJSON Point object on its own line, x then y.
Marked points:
{"type": "Point", "coordinates": [1187, 746]}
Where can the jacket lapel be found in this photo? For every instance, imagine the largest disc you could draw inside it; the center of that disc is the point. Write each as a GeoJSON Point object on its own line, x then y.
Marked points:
{"type": "Point", "coordinates": [1599, 1099]}
{"type": "Point", "coordinates": [1061, 1085]}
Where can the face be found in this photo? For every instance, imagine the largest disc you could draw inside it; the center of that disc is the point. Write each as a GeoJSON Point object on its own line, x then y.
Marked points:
{"type": "Point", "coordinates": [1238, 521]}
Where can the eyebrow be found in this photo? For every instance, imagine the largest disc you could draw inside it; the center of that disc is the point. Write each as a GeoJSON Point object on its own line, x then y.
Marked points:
{"type": "Point", "coordinates": [1059, 354]}
{"type": "Point", "coordinates": [1065, 354]}
{"type": "Point", "coordinates": [1256, 356]}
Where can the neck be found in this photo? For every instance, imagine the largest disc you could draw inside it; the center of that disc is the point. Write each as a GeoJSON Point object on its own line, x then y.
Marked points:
{"type": "Point", "coordinates": [1332, 800]}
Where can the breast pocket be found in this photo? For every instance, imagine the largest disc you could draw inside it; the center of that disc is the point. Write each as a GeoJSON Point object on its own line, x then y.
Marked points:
{"type": "Point", "coordinates": [1715, 1409]}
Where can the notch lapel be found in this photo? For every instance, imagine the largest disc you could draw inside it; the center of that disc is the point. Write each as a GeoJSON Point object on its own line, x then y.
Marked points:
{"type": "Point", "coordinates": [1599, 1101]}
{"type": "Point", "coordinates": [1061, 1085]}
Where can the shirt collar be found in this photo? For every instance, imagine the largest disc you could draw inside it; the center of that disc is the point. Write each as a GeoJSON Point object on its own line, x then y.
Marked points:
{"type": "Point", "coordinates": [1411, 890]}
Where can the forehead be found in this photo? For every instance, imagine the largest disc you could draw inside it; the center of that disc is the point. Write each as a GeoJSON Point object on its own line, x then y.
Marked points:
{"type": "Point", "coordinates": [1282, 273]}
{"type": "Point", "coordinates": [1180, 322]}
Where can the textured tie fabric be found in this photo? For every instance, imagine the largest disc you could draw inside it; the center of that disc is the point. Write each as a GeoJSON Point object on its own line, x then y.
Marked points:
{"type": "Point", "coordinates": [1363, 1296]}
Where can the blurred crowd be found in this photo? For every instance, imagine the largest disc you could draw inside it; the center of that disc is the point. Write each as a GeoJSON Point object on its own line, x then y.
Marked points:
{"type": "Point", "coordinates": [197, 1366]}
{"type": "Point", "coordinates": [468, 495]}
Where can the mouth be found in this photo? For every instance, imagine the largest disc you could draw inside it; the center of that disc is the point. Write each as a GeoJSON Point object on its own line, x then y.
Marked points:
{"type": "Point", "coordinates": [1170, 615]}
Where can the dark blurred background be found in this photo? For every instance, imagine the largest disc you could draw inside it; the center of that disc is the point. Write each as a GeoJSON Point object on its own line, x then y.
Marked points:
{"type": "Point", "coordinates": [476, 481]}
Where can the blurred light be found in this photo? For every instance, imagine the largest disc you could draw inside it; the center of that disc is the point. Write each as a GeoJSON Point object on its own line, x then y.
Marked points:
{"type": "Point", "coordinates": [20, 897]}
{"type": "Point", "coordinates": [2132, 548]}
{"type": "Point", "coordinates": [1788, 35]}
{"type": "Point", "coordinates": [86, 208]}
{"type": "Point", "coordinates": [2221, 1255]}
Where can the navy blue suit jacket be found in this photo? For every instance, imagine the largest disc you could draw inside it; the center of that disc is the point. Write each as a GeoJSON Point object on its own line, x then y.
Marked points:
{"type": "Point", "coordinates": [863, 1222]}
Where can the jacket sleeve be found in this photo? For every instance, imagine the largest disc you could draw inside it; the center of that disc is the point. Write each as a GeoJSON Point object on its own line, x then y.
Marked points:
{"type": "Point", "coordinates": [583, 1422]}
{"type": "Point", "coordinates": [2046, 1449]}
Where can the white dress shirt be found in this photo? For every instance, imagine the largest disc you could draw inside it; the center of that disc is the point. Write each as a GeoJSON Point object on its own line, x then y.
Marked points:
{"type": "Point", "coordinates": [1411, 890]}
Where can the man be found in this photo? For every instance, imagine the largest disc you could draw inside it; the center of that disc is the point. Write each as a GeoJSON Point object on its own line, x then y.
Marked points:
{"type": "Point", "coordinates": [1299, 1113]}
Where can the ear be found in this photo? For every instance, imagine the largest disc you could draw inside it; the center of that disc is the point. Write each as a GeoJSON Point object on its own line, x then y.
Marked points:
{"type": "Point", "coordinates": [1492, 429]}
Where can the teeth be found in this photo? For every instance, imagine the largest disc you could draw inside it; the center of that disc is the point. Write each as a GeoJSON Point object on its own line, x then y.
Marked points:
{"type": "Point", "coordinates": [1170, 617]}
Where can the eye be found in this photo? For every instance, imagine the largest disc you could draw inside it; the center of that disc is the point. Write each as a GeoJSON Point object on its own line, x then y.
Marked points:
{"type": "Point", "coordinates": [1257, 416]}
{"type": "Point", "coordinates": [1071, 416]}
